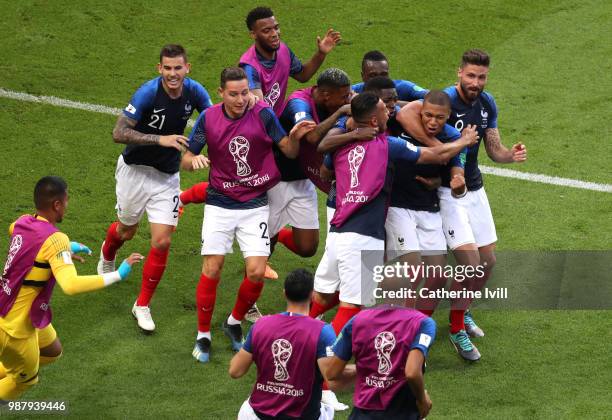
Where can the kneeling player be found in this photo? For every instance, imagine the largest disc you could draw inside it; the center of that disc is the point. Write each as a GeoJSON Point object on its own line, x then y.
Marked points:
{"type": "Point", "coordinates": [240, 149]}
{"type": "Point", "coordinates": [290, 351]}
{"type": "Point", "coordinates": [39, 256]}
{"type": "Point", "coordinates": [390, 345]}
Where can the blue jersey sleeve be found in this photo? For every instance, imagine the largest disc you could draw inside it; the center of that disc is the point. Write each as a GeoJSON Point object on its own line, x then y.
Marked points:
{"type": "Point", "coordinates": [203, 100]}
{"type": "Point", "coordinates": [297, 110]}
{"type": "Point", "coordinates": [493, 110]}
{"type": "Point", "coordinates": [408, 91]}
{"type": "Point", "coordinates": [343, 347]}
{"type": "Point", "coordinates": [425, 336]}
{"type": "Point", "coordinates": [326, 341]}
{"type": "Point", "coordinates": [248, 342]}
{"type": "Point", "coordinates": [402, 150]}
{"type": "Point", "coordinates": [272, 124]}
{"type": "Point", "coordinates": [197, 137]}
{"type": "Point", "coordinates": [357, 87]}
{"type": "Point", "coordinates": [328, 161]}
{"type": "Point", "coordinates": [142, 100]}
{"type": "Point", "coordinates": [449, 134]}
{"type": "Point", "coordinates": [252, 76]}
{"type": "Point", "coordinates": [341, 123]}
{"type": "Point", "coordinates": [296, 64]}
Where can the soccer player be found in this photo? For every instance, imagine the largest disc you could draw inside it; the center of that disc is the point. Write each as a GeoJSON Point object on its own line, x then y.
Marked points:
{"type": "Point", "coordinates": [147, 174]}
{"type": "Point", "coordinates": [293, 201]}
{"type": "Point", "coordinates": [39, 255]}
{"type": "Point", "coordinates": [269, 62]}
{"type": "Point", "coordinates": [375, 64]}
{"type": "Point", "coordinates": [468, 222]}
{"type": "Point", "coordinates": [363, 179]}
{"type": "Point", "coordinates": [390, 345]}
{"type": "Point", "coordinates": [239, 143]}
{"type": "Point", "coordinates": [290, 350]}
{"type": "Point", "coordinates": [414, 225]}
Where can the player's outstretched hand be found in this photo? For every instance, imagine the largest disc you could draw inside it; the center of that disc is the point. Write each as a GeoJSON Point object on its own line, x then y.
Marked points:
{"type": "Point", "coordinates": [365, 133]}
{"type": "Point", "coordinates": [176, 141]}
{"type": "Point", "coordinates": [79, 248]}
{"type": "Point", "coordinates": [519, 153]}
{"type": "Point", "coordinates": [330, 40]}
{"type": "Point", "coordinates": [200, 162]}
{"type": "Point", "coordinates": [429, 183]}
{"type": "Point", "coordinates": [469, 135]}
{"type": "Point", "coordinates": [126, 266]}
{"type": "Point", "coordinates": [458, 187]}
{"type": "Point", "coordinates": [424, 406]}
{"type": "Point", "coordinates": [301, 129]}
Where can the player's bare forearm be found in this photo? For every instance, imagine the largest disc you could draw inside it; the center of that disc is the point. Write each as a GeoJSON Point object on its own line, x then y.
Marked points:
{"type": "Point", "coordinates": [409, 118]}
{"type": "Point", "coordinates": [414, 373]}
{"type": "Point", "coordinates": [186, 161]}
{"type": "Point", "coordinates": [124, 133]}
{"type": "Point", "coordinates": [332, 368]}
{"type": "Point", "coordinates": [289, 146]}
{"type": "Point", "coordinates": [494, 147]}
{"type": "Point", "coordinates": [324, 126]}
{"type": "Point", "coordinates": [240, 364]}
{"type": "Point", "coordinates": [310, 68]}
{"type": "Point", "coordinates": [440, 155]}
{"type": "Point", "coordinates": [258, 93]}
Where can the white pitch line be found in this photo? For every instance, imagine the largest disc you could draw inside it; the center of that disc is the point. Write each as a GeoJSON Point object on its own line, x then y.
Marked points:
{"type": "Point", "coordinates": [506, 173]}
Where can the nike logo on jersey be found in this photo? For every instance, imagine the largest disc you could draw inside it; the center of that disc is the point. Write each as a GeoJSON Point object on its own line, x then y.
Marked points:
{"type": "Point", "coordinates": [155, 111]}
{"type": "Point", "coordinates": [461, 115]}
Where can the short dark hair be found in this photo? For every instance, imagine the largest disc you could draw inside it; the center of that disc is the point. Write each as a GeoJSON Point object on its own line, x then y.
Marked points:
{"type": "Point", "coordinates": [256, 14]}
{"type": "Point", "coordinates": [363, 106]}
{"type": "Point", "coordinates": [47, 190]}
{"type": "Point", "coordinates": [333, 78]}
{"type": "Point", "coordinates": [232, 74]}
{"type": "Point", "coordinates": [373, 55]}
{"type": "Point", "coordinates": [437, 97]}
{"type": "Point", "coordinates": [171, 51]}
{"type": "Point", "coordinates": [476, 57]}
{"type": "Point", "coordinates": [299, 284]}
{"type": "Point", "coordinates": [378, 83]}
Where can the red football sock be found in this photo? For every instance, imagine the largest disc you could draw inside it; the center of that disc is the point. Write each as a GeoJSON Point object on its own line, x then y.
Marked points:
{"type": "Point", "coordinates": [344, 314]}
{"type": "Point", "coordinates": [206, 295]}
{"type": "Point", "coordinates": [285, 237]}
{"type": "Point", "coordinates": [456, 321]}
{"type": "Point", "coordinates": [195, 194]}
{"type": "Point", "coordinates": [112, 242]}
{"type": "Point", "coordinates": [247, 295]}
{"type": "Point", "coordinates": [152, 273]}
{"type": "Point", "coordinates": [317, 309]}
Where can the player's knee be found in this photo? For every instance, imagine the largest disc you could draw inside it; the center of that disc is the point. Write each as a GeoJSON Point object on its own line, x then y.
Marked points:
{"type": "Point", "coordinates": [489, 261]}
{"type": "Point", "coordinates": [52, 351]}
{"type": "Point", "coordinates": [126, 233]}
{"type": "Point", "coordinates": [324, 299]}
{"type": "Point", "coordinates": [256, 273]}
{"type": "Point", "coordinates": [308, 250]}
{"type": "Point", "coordinates": [161, 243]}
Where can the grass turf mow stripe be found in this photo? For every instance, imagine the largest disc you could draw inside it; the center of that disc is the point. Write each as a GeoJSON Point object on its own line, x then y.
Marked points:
{"type": "Point", "coordinates": [506, 173]}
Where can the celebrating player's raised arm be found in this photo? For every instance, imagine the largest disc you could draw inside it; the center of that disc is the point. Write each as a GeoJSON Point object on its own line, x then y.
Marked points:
{"type": "Point", "coordinates": [337, 138]}
{"type": "Point", "coordinates": [324, 47]}
{"type": "Point", "coordinates": [443, 153]}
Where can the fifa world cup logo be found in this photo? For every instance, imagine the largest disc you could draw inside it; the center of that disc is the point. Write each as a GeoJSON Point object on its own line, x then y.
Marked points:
{"type": "Point", "coordinates": [384, 343]}
{"type": "Point", "coordinates": [14, 248]}
{"type": "Point", "coordinates": [239, 148]}
{"type": "Point", "coordinates": [355, 158]}
{"type": "Point", "coordinates": [281, 353]}
{"type": "Point", "coordinates": [273, 94]}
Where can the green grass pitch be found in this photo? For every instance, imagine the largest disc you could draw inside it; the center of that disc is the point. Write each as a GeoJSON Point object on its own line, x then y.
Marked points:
{"type": "Point", "coordinates": [550, 75]}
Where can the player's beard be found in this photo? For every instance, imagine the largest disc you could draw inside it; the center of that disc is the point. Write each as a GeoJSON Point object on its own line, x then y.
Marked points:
{"type": "Point", "coordinates": [470, 94]}
{"type": "Point", "coordinates": [268, 48]}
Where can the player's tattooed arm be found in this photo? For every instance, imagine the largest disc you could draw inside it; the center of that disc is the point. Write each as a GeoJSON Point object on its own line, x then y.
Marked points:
{"type": "Point", "coordinates": [500, 153]}
{"type": "Point", "coordinates": [124, 133]}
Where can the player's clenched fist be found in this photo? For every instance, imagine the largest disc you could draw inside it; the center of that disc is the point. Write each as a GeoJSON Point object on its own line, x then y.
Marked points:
{"type": "Point", "coordinates": [176, 141]}
{"type": "Point", "coordinates": [469, 135]}
{"type": "Point", "coordinates": [519, 153]}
